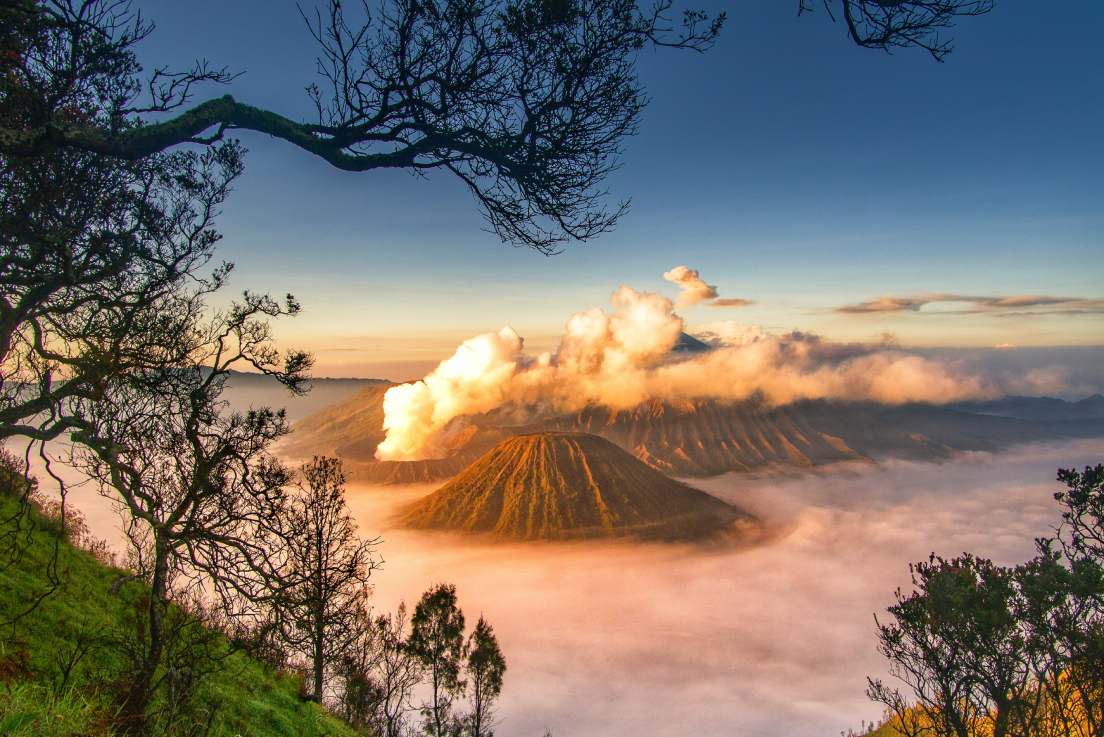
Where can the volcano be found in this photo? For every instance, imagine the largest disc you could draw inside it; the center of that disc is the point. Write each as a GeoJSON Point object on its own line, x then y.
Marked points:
{"type": "Point", "coordinates": [708, 437]}
{"type": "Point", "coordinates": [562, 486]}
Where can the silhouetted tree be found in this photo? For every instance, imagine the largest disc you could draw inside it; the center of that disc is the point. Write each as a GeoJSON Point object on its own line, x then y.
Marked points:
{"type": "Point", "coordinates": [437, 640]}
{"type": "Point", "coordinates": [527, 102]}
{"type": "Point", "coordinates": [328, 566]}
{"type": "Point", "coordinates": [889, 24]}
{"type": "Point", "coordinates": [484, 668]}
{"type": "Point", "coordinates": [1063, 620]}
{"type": "Point", "coordinates": [957, 643]}
{"type": "Point", "coordinates": [200, 493]}
{"type": "Point", "coordinates": [379, 674]}
{"type": "Point", "coordinates": [398, 672]}
{"type": "Point", "coordinates": [996, 651]}
{"type": "Point", "coordinates": [1084, 512]}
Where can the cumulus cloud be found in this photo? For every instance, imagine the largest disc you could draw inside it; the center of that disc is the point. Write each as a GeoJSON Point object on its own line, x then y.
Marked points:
{"type": "Point", "coordinates": [622, 358]}
{"type": "Point", "coordinates": [1029, 304]}
{"type": "Point", "coordinates": [696, 291]}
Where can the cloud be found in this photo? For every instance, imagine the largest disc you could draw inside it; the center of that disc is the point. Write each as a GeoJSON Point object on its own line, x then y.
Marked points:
{"type": "Point", "coordinates": [730, 303]}
{"type": "Point", "coordinates": [776, 640]}
{"type": "Point", "coordinates": [726, 333]}
{"type": "Point", "coordinates": [1024, 304]}
{"type": "Point", "coordinates": [622, 358]}
{"type": "Point", "coordinates": [696, 291]}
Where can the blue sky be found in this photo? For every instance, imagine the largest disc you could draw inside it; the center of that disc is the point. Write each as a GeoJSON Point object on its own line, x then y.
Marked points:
{"type": "Point", "coordinates": [787, 165]}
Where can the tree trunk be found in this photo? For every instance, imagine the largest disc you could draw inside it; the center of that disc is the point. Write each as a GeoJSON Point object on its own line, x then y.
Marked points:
{"type": "Point", "coordinates": [319, 664]}
{"type": "Point", "coordinates": [142, 692]}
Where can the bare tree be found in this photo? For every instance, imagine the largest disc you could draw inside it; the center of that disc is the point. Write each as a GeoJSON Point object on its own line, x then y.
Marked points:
{"type": "Point", "coordinates": [198, 489]}
{"type": "Point", "coordinates": [328, 566]}
{"type": "Point", "coordinates": [889, 24]}
{"type": "Point", "coordinates": [379, 675]}
{"type": "Point", "coordinates": [527, 103]}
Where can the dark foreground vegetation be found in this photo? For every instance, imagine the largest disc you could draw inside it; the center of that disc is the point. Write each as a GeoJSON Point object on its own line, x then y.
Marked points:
{"type": "Point", "coordinates": [993, 651]}
{"type": "Point", "coordinates": [75, 644]}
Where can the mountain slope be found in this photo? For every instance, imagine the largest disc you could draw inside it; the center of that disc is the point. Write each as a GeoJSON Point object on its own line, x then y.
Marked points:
{"type": "Point", "coordinates": [350, 428]}
{"type": "Point", "coordinates": [707, 437]}
{"type": "Point", "coordinates": [557, 486]}
{"type": "Point", "coordinates": [66, 654]}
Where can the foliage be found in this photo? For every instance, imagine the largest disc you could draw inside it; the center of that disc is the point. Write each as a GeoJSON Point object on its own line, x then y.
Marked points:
{"type": "Point", "coordinates": [437, 640]}
{"type": "Point", "coordinates": [382, 670]}
{"type": "Point", "coordinates": [995, 651]}
{"type": "Point", "coordinates": [485, 666]}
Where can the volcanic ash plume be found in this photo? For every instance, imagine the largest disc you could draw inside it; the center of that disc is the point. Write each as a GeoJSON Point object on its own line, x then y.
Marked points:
{"type": "Point", "coordinates": [622, 358]}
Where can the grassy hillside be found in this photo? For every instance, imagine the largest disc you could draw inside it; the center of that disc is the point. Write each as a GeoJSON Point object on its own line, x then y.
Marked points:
{"type": "Point", "coordinates": [64, 662]}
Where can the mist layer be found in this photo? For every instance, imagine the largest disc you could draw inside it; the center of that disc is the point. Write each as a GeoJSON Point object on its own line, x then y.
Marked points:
{"type": "Point", "coordinates": [631, 639]}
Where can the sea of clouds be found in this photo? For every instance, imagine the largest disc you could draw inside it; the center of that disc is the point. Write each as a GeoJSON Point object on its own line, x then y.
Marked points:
{"type": "Point", "coordinates": [626, 639]}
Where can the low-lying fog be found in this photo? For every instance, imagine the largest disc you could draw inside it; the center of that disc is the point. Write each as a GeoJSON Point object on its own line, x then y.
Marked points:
{"type": "Point", "coordinates": [630, 639]}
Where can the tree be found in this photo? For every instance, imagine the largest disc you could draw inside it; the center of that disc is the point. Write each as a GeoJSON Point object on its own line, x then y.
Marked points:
{"type": "Point", "coordinates": [485, 667]}
{"type": "Point", "coordinates": [889, 24]}
{"type": "Point", "coordinates": [437, 640]}
{"type": "Point", "coordinates": [379, 674]}
{"type": "Point", "coordinates": [1084, 512]}
{"type": "Point", "coordinates": [995, 651]}
{"type": "Point", "coordinates": [957, 643]}
{"type": "Point", "coordinates": [328, 565]}
{"type": "Point", "coordinates": [203, 499]}
{"type": "Point", "coordinates": [527, 103]}
{"type": "Point", "coordinates": [1064, 626]}
{"type": "Point", "coordinates": [89, 243]}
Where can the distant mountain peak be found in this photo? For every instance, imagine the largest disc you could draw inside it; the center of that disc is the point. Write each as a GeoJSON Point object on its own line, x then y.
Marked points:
{"type": "Point", "coordinates": [687, 343]}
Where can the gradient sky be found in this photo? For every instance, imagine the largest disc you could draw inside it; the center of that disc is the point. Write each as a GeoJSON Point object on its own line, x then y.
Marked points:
{"type": "Point", "coordinates": [787, 165]}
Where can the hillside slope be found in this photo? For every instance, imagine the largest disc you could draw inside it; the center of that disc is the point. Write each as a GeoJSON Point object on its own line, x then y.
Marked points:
{"type": "Point", "coordinates": [350, 428]}
{"type": "Point", "coordinates": [63, 654]}
{"type": "Point", "coordinates": [558, 486]}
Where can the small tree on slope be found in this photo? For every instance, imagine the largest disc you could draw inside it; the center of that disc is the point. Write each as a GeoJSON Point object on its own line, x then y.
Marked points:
{"type": "Point", "coordinates": [329, 566]}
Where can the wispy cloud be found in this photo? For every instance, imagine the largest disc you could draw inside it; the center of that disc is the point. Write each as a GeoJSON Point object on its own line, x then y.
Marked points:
{"type": "Point", "coordinates": [696, 291]}
{"type": "Point", "coordinates": [1022, 304]}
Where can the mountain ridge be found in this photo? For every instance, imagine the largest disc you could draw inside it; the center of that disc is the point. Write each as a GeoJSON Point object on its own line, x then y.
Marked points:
{"type": "Point", "coordinates": [707, 437]}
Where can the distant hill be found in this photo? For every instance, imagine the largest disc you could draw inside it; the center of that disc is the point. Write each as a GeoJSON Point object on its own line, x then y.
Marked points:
{"type": "Point", "coordinates": [560, 486]}
{"type": "Point", "coordinates": [245, 390]}
{"type": "Point", "coordinates": [708, 437]}
{"type": "Point", "coordinates": [350, 428]}
{"type": "Point", "coordinates": [1038, 408]}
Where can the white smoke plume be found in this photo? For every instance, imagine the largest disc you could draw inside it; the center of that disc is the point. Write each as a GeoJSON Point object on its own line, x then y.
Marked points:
{"type": "Point", "coordinates": [622, 358]}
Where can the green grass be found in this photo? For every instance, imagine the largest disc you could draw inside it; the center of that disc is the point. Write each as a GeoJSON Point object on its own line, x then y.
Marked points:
{"type": "Point", "coordinates": [81, 623]}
